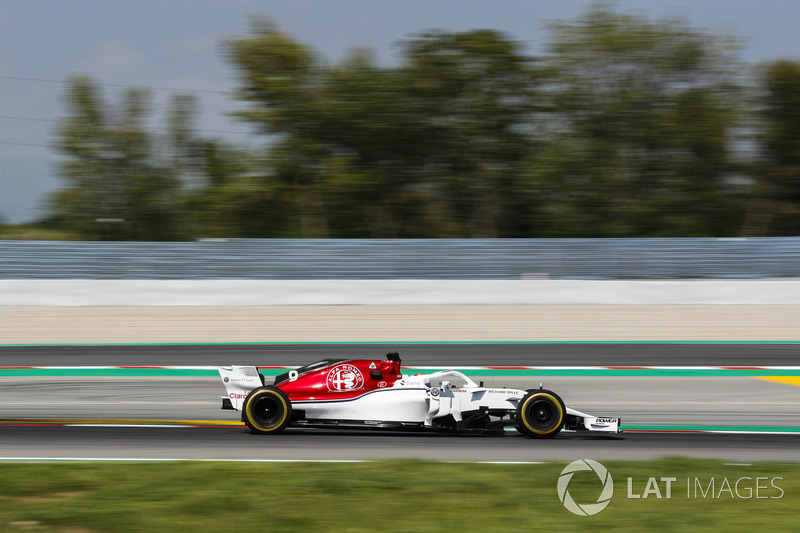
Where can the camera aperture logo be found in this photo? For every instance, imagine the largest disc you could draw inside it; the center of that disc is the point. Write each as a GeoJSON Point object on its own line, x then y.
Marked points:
{"type": "Point", "coordinates": [585, 509]}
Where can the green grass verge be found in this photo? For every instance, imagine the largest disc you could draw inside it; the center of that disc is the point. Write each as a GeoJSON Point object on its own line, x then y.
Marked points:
{"type": "Point", "coordinates": [31, 232]}
{"type": "Point", "coordinates": [413, 496]}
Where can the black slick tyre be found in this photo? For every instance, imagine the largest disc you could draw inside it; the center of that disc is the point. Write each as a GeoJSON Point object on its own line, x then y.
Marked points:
{"type": "Point", "coordinates": [266, 410]}
{"type": "Point", "coordinates": [541, 414]}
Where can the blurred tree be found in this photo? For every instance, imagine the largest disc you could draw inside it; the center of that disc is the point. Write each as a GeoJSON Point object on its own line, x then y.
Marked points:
{"type": "Point", "coordinates": [116, 189]}
{"type": "Point", "coordinates": [181, 148]}
{"type": "Point", "coordinates": [626, 127]}
{"type": "Point", "coordinates": [431, 148]}
{"type": "Point", "coordinates": [220, 199]}
{"type": "Point", "coordinates": [279, 77]}
{"type": "Point", "coordinates": [474, 96]}
{"type": "Point", "coordinates": [639, 130]}
{"type": "Point", "coordinates": [233, 200]}
{"type": "Point", "coordinates": [776, 210]}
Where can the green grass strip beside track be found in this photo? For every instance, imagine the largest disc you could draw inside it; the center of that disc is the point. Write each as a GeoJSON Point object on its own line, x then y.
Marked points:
{"type": "Point", "coordinates": [500, 372]}
{"type": "Point", "coordinates": [392, 496]}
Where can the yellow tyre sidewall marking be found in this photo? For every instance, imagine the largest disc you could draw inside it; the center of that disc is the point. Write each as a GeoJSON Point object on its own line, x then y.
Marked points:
{"type": "Point", "coordinates": [250, 410]}
{"type": "Point", "coordinates": [533, 398]}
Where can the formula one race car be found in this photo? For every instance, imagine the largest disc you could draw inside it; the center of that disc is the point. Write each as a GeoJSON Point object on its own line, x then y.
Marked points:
{"type": "Point", "coordinates": [375, 394]}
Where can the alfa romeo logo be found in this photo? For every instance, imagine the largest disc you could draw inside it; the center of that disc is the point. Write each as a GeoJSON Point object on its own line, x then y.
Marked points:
{"type": "Point", "coordinates": [343, 378]}
{"type": "Point", "coordinates": [586, 509]}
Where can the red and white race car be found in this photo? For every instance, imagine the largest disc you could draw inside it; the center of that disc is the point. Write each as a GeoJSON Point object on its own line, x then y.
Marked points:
{"type": "Point", "coordinates": [376, 394]}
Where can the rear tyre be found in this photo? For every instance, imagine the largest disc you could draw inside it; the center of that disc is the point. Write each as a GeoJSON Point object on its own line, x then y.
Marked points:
{"type": "Point", "coordinates": [266, 410]}
{"type": "Point", "coordinates": [541, 414]}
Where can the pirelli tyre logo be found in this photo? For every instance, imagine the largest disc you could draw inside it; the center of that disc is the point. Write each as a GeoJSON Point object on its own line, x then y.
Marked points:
{"type": "Point", "coordinates": [344, 378]}
{"type": "Point", "coordinates": [606, 489]}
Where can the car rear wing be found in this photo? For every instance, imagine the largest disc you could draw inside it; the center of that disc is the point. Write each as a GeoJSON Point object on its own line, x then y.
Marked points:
{"type": "Point", "coordinates": [239, 381]}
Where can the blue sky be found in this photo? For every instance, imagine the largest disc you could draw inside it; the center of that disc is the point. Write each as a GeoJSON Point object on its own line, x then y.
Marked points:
{"type": "Point", "coordinates": [176, 44]}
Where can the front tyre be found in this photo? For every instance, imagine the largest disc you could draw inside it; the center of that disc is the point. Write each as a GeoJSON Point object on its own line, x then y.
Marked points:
{"type": "Point", "coordinates": [541, 414]}
{"type": "Point", "coordinates": [266, 410]}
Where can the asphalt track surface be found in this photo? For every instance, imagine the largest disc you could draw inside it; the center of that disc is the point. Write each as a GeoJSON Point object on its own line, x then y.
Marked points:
{"type": "Point", "coordinates": [234, 443]}
{"type": "Point", "coordinates": [700, 400]}
{"type": "Point", "coordinates": [528, 354]}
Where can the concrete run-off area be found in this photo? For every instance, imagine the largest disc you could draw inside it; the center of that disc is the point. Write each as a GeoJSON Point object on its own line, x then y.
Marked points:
{"type": "Point", "coordinates": [397, 323]}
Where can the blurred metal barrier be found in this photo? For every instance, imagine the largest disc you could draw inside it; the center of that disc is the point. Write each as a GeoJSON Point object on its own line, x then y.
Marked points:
{"type": "Point", "coordinates": [404, 259]}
